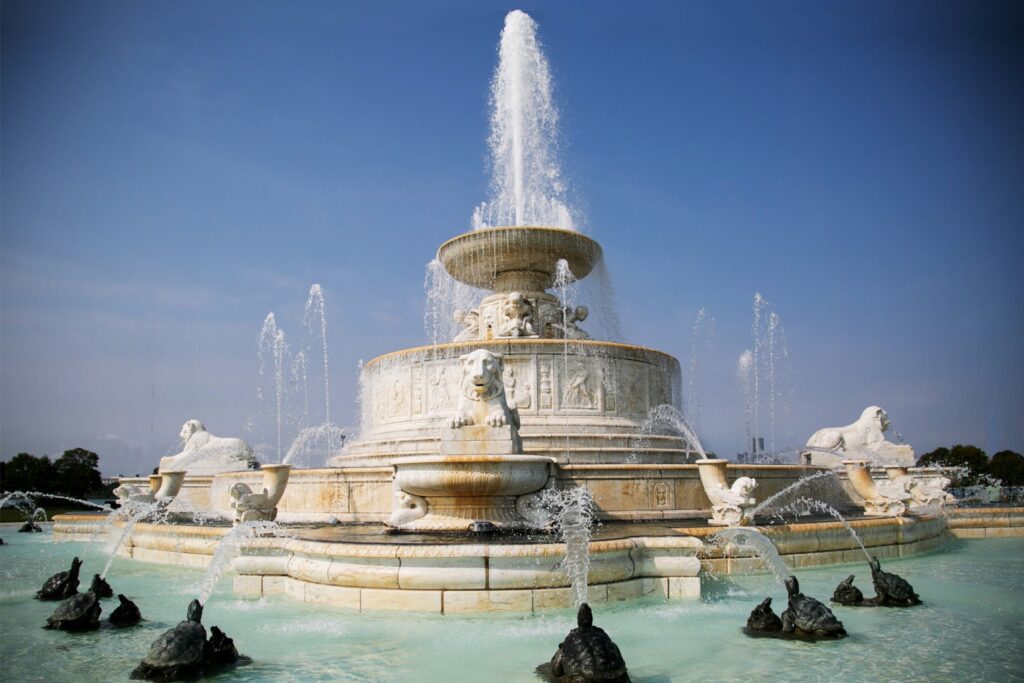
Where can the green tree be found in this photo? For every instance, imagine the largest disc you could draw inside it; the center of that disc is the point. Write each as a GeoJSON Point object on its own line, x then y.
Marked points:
{"type": "Point", "coordinates": [1007, 466]}
{"type": "Point", "coordinates": [78, 473]}
{"type": "Point", "coordinates": [26, 472]}
{"type": "Point", "coordinates": [972, 458]}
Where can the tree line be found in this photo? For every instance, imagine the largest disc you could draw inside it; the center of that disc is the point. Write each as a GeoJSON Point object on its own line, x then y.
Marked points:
{"type": "Point", "coordinates": [1007, 466]}
{"type": "Point", "coordinates": [75, 473]}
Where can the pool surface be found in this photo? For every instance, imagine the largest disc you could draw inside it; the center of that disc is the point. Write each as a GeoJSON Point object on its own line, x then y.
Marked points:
{"type": "Point", "coordinates": [968, 629]}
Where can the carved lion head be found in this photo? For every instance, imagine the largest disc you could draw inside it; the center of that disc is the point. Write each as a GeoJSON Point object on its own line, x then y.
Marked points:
{"type": "Point", "coordinates": [874, 416]}
{"type": "Point", "coordinates": [481, 374]}
{"type": "Point", "coordinates": [189, 428]}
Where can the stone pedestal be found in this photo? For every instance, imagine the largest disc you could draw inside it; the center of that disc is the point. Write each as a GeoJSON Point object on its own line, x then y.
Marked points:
{"type": "Point", "coordinates": [480, 439]}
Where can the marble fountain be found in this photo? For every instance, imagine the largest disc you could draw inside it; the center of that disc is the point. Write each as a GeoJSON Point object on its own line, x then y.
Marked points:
{"type": "Point", "coordinates": [446, 501]}
{"type": "Point", "coordinates": [453, 496]}
{"type": "Point", "coordinates": [520, 466]}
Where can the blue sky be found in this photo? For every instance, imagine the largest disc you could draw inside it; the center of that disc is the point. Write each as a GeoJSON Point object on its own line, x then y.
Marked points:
{"type": "Point", "coordinates": [171, 172]}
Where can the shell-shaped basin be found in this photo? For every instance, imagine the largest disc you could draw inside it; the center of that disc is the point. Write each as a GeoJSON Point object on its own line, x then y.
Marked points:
{"type": "Point", "coordinates": [485, 475]}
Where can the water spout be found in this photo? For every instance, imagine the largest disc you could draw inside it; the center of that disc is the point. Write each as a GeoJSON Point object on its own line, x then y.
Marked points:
{"type": "Point", "coordinates": [746, 537]}
{"type": "Point", "coordinates": [573, 514]}
{"type": "Point", "coordinates": [526, 182]}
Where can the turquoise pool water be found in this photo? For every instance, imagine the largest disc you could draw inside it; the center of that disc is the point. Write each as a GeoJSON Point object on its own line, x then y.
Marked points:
{"type": "Point", "coordinates": [969, 629]}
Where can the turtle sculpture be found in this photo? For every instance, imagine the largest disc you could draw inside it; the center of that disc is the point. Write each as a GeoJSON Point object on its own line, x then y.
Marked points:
{"type": "Point", "coordinates": [892, 590]}
{"type": "Point", "coordinates": [61, 585]}
{"type": "Point", "coordinates": [763, 621]}
{"type": "Point", "coordinates": [100, 587]}
{"type": "Point", "coordinates": [125, 614]}
{"type": "Point", "coordinates": [848, 595]}
{"type": "Point", "coordinates": [220, 650]}
{"type": "Point", "coordinates": [807, 618]}
{"type": "Point", "coordinates": [30, 527]}
{"type": "Point", "coordinates": [185, 652]}
{"type": "Point", "coordinates": [586, 654]}
{"type": "Point", "coordinates": [80, 612]}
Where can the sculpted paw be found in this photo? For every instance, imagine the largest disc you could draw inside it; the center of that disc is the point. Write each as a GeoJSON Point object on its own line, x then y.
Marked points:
{"type": "Point", "coordinates": [497, 419]}
{"type": "Point", "coordinates": [460, 420]}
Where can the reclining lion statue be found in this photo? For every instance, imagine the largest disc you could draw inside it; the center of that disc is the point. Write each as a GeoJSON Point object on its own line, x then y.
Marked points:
{"type": "Point", "coordinates": [865, 438]}
{"type": "Point", "coordinates": [203, 453]}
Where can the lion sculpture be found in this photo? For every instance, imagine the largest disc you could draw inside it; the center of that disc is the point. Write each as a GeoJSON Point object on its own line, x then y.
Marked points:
{"type": "Point", "coordinates": [865, 438]}
{"type": "Point", "coordinates": [203, 453]}
{"type": "Point", "coordinates": [482, 398]}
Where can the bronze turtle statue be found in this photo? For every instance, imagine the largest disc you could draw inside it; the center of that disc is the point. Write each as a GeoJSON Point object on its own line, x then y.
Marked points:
{"type": "Point", "coordinates": [178, 652]}
{"type": "Point", "coordinates": [185, 652]}
{"type": "Point", "coordinates": [763, 621]}
{"type": "Point", "coordinates": [892, 590]}
{"type": "Point", "coordinates": [100, 587]}
{"type": "Point", "coordinates": [80, 612]}
{"type": "Point", "coordinates": [125, 614]}
{"type": "Point", "coordinates": [587, 654]}
{"type": "Point", "coordinates": [807, 618]}
{"type": "Point", "coordinates": [61, 585]}
{"type": "Point", "coordinates": [847, 594]}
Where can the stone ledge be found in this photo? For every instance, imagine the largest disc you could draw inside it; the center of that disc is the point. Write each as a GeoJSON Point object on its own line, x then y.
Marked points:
{"type": "Point", "coordinates": [462, 601]}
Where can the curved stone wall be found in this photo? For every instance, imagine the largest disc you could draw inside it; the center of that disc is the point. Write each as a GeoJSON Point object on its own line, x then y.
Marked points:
{"type": "Point", "coordinates": [580, 401]}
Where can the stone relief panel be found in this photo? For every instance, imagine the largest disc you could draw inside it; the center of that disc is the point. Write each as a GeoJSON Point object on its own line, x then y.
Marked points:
{"type": "Point", "coordinates": [660, 391]}
{"type": "Point", "coordinates": [418, 407]}
{"type": "Point", "coordinates": [605, 368]}
{"type": "Point", "coordinates": [519, 382]}
{"type": "Point", "coordinates": [632, 388]}
{"type": "Point", "coordinates": [394, 401]}
{"type": "Point", "coordinates": [441, 389]}
{"type": "Point", "coordinates": [662, 497]}
{"type": "Point", "coordinates": [580, 386]}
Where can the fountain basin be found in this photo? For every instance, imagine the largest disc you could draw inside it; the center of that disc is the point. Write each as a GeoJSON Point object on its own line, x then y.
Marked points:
{"type": "Point", "coordinates": [359, 567]}
{"type": "Point", "coordinates": [462, 489]}
{"type": "Point", "coordinates": [519, 258]}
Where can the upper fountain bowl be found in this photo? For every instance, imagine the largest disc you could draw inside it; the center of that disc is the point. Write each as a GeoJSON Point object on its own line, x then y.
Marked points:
{"type": "Point", "coordinates": [520, 258]}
